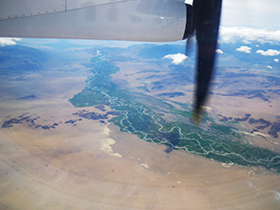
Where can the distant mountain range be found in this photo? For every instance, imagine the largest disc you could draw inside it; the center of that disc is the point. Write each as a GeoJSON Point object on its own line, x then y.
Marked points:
{"type": "Point", "coordinates": [17, 60]}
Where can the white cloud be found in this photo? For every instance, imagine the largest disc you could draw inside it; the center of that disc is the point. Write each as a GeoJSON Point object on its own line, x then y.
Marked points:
{"type": "Point", "coordinates": [8, 41]}
{"type": "Point", "coordinates": [276, 60]}
{"type": "Point", "coordinates": [188, 2]}
{"type": "Point", "coordinates": [219, 51]}
{"type": "Point", "coordinates": [177, 58]}
{"type": "Point", "coordinates": [244, 49]}
{"type": "Point", "coordinates": [246, 42]}
{"type": "Point", "coordinates": [269, 67]}
{"type": "Point", "coordinates": [257, 45]}
{"type": "Point", "coordinates": [231, 34]}
{"type": "Point", "coordinates": [269, 52]}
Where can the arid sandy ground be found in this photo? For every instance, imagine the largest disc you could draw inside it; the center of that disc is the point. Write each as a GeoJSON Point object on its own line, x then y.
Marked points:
{"type": "Point", "coordinates": [95, 166]}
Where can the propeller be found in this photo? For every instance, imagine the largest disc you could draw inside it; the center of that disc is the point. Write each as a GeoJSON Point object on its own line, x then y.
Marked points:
{"type": "Point", "coordinates": [203, 20]}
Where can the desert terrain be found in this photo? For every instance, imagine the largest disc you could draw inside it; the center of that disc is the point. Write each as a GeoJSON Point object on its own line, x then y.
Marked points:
{"type": "Point", "coordinates": [90, 164]}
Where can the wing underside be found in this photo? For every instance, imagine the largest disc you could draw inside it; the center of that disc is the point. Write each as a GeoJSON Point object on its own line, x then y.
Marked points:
{"type": "Point", "coordinates": [138, 20]}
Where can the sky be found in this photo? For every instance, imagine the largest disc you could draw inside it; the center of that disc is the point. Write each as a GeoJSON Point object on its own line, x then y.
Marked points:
{"type": "Point", "coordinates": [251, 13]}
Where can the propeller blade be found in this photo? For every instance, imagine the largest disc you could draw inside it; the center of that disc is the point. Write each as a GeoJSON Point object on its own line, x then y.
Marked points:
{"type": "Point", "coordinates": [205, 23]}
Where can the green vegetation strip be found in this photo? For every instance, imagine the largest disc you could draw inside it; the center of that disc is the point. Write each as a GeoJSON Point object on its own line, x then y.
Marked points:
{"type": "Point", "coordinates": [142, 115]}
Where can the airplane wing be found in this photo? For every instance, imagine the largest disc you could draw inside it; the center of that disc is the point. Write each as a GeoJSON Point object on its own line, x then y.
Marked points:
{"type": "Point", "coordinates": [138, 20]}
